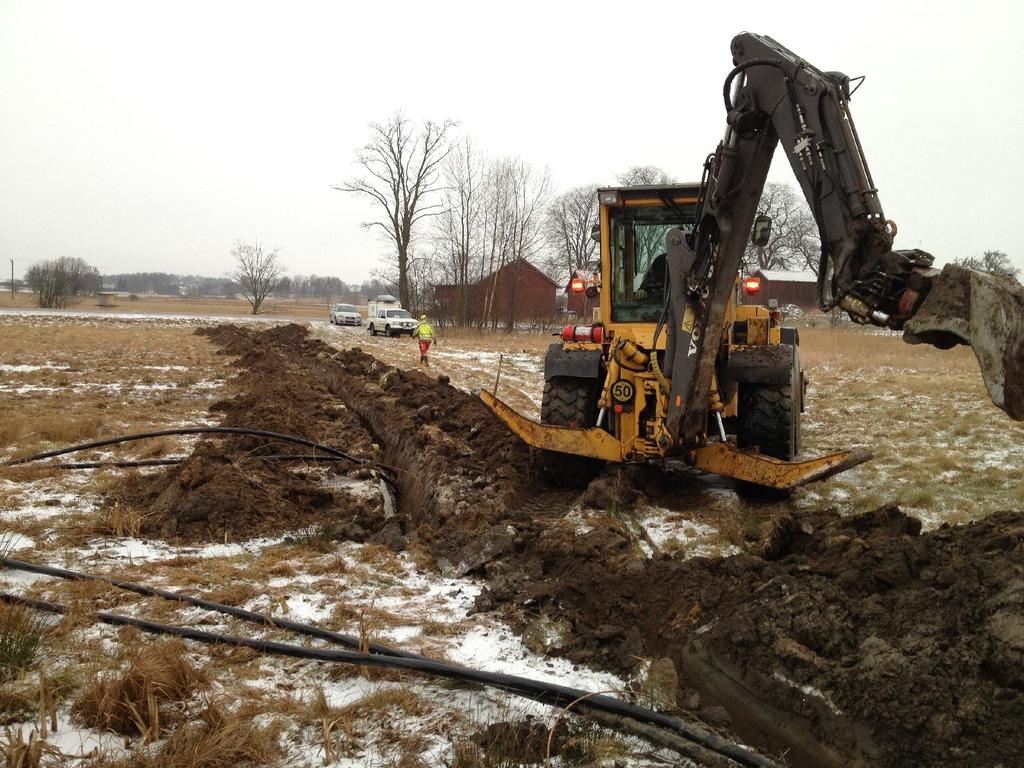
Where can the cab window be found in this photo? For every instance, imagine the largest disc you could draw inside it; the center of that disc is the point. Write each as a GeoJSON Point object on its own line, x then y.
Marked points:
{"type": "Point", "coordinates": [637, 245]}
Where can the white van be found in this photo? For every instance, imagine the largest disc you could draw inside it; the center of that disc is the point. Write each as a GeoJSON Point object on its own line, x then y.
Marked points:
{"type": "Point", "coordinates": [385, 315]}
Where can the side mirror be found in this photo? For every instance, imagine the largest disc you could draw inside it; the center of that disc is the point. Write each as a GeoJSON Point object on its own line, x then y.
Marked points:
{"type": "Point", "coordinates": [595, 233]}
{"type": "Point", "coordinates": [762, 230]}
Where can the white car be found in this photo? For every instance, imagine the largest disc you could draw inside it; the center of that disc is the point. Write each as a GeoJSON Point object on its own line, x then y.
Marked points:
{"type": "Point", "coordinates": [345, 314]}
{"type": "Point", "coordinates": [391, 322]}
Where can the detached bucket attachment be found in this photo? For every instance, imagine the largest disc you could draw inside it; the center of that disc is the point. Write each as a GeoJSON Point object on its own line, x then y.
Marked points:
{"type": "Point", "coordinates": [986, 312]}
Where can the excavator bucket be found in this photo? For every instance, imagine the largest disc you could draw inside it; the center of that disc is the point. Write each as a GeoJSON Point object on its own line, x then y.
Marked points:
{"type": "Point", "coordinates": [986, 312]}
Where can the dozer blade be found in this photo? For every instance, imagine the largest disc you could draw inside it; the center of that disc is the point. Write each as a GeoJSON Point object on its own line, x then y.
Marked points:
{"type": "Point", "coordinates": [728, 460]}
{"type": "Point", "coordinates": [720, 458]}
{"type": "Point", "coordinates": [592, 442]}
{"type": "Point", "coordinates": [986, 312]}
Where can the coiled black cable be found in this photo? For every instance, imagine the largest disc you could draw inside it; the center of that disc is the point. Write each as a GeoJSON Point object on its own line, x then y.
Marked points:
{"type": "Point", "coordinates": [187, 431]}
{"type": "Point", "coordinates": [209, 605]}
{"type": "Point", "coordinates": [172, 460]}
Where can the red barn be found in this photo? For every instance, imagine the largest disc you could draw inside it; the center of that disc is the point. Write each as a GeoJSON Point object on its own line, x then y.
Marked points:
{"type": "Point", "coordinates": [786, 286]}
{"type": "Point", "coordinates": [516, 292]}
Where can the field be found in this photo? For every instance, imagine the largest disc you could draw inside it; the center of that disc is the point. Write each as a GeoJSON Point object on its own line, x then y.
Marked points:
{"type": "Point", "coordinates": [473, 562]}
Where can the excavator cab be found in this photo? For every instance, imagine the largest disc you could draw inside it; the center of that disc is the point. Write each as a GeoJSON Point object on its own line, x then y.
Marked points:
{"type": "Point", "coordinates": [605, 387]}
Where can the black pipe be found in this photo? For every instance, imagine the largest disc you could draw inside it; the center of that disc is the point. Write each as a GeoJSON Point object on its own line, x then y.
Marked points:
{"type": "Point", "coordinates": [547, 693]}
{"type": "Point", "coordinates": [231, 610]}
{"type": "Point", "coordinates": [187, 431]}
{"type": "Point", "coordinates": [172, 460]}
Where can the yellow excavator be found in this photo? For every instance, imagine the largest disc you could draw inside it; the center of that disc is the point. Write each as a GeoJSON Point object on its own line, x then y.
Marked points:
{"type": "Point", "coordinates": [672, 364]}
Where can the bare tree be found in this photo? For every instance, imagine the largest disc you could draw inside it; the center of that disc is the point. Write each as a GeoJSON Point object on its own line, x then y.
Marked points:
{"type": "Point", "coordinates": [993, 262]}
{"type": "Point", "coordinates": [257, 271]}
{"type": "Point", "coordinates": [794, 237]}
{"type": "Point", "coordinates": [401, 165]}
{"type": "Point", "coordinates": [57, 281]}
{"type": "Point", "coordinates": [458, 234]}
{"type": "Point", "coordinates": [569, 224]}
{"type": "Point", "coordinates": [512, 232]}
{"type": "Point", "coordinates": [643, 175]}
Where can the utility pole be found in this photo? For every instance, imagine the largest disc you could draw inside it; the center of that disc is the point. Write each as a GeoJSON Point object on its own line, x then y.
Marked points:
{"type": "Point", "coordinates": [12, 280]}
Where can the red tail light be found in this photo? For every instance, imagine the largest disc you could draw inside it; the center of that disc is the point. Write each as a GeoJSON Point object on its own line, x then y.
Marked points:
{"type": "Point", "coordinates": [576, 285]}
{"type": "Point", "coordinates": [751, 285]}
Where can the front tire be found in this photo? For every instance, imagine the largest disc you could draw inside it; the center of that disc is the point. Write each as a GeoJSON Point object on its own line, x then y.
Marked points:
{"type": "Point", "coordinates": [569, 402]}
{"type": "Point", "coordinates": [372, 330]}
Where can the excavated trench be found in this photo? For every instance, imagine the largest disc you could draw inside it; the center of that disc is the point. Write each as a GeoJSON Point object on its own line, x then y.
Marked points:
{"type": "Point", "coordinates": [832, 642]}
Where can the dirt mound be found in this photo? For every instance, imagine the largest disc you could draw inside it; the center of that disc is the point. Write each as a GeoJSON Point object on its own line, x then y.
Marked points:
{"type": "Point", "coordinates": [212, 496]}
{"type": "Point", "coordinates": [860, 641]}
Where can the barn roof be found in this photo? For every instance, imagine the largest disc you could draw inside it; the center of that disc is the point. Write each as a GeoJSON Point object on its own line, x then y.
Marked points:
{"type": "Point", "coordinates": [788, 275]}
{"type": "Point", "coordinates": [520, 261]}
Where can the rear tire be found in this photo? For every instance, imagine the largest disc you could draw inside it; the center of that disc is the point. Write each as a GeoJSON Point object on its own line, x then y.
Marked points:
{"type": "Point", "coordinates": [769, 419]}
{"type": "Point", "coordinates": [569, 402]}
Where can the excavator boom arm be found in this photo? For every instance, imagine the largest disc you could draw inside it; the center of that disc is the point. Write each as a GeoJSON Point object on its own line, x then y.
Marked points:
{"type": "Point", "coordinates": [774, 97]}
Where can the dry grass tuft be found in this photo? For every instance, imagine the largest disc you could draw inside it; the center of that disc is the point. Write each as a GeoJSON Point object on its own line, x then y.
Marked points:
{"type": "Point", "coordinates": [328, 567]}
{"type": "Point", "coordinates": [24, 473]}
{"type": "Point", "coordinates": [381, 558]}
{"type": "Point", "coordinates": [19, 752]}
{"type": "Point", "coordinates": [11, 428]}
{"type": "Point", "coordinates": [66, 429]}
{"type": "Point", "coordinates": [158, 448]}
{"type": "Point", "coordinates": [374, 705]}
{"type": "Point", "coordinates": [119, 520]}
{"type": "Point", "coordinates": [316, 539]}
{"type": "Point", "coordinates": [22, 632]}
{"type": "Point", "coordinates": [130, 702]}
{"type": "Point", "coordinates": [222, 739]}
{"type": "Point", "coordinates": [232, 594]}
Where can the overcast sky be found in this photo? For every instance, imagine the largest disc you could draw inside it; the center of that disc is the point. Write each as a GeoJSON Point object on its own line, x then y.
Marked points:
{"type": "Point", "coordinates": [147, 136]}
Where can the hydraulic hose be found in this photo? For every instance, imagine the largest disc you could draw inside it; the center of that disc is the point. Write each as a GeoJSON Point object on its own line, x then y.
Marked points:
{"type": "Point", "coordinates": [187, 431]}
{"type": "Point", "coordinates": [703, 741]}
{"type": "Point", "coordinates": [763, 61]}
{"type": "Point", "coordinates": [209, 605]}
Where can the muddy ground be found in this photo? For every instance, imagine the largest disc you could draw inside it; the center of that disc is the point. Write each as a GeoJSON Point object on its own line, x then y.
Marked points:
{"type": "Point", "coordinates": [831, 641]}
